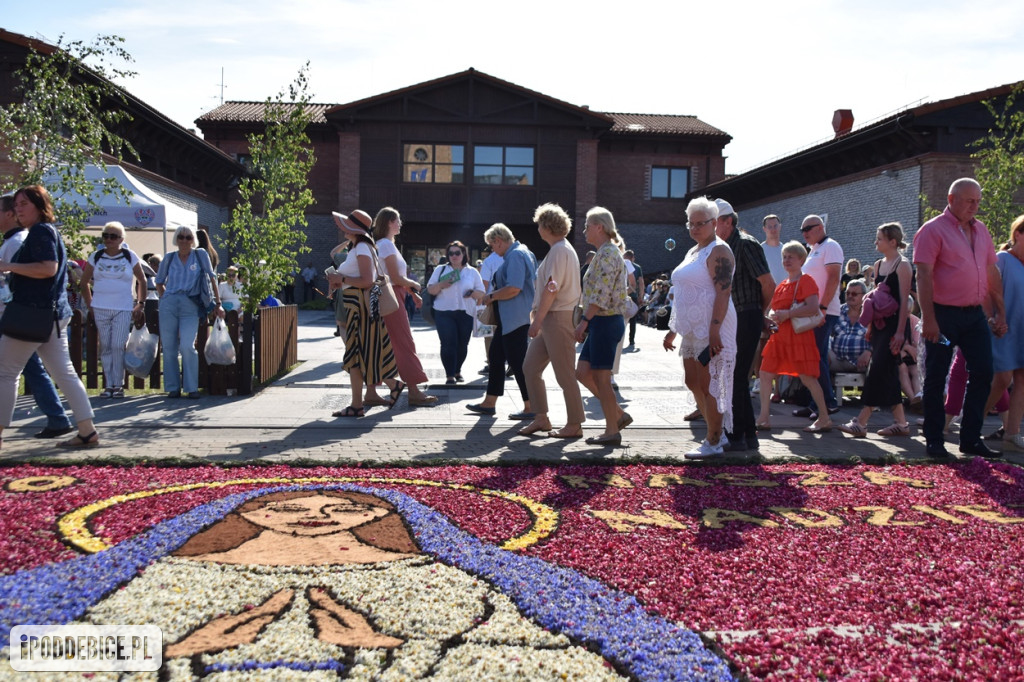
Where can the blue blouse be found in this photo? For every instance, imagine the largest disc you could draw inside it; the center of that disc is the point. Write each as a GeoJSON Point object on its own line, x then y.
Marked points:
{"type": "Point", "coordinates": [519, 269]}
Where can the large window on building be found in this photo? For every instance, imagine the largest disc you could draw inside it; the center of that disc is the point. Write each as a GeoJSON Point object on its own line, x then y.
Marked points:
{"type": "Point", "coordinates": [669, 183]}
{"type": "Point", "coordinates": [438, 163]}
{"type": "Point", "coordinates": [503, 165]}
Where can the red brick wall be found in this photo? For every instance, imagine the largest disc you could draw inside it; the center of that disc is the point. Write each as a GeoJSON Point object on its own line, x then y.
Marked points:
{"type": "Point", "coordinates": [348, 171]}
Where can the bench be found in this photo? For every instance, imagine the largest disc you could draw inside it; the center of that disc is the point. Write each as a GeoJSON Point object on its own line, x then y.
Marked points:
{"type": "Point", "coordinates": [841, 380]}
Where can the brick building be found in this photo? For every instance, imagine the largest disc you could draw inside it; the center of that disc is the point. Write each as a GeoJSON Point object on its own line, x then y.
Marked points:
{"type": "Point", "coordinates": [459, 153]}
{"type": "Point", "coordinates": [868, 176]}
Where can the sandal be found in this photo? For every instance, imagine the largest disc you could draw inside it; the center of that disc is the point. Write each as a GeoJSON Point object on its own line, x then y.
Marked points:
{"type": "Point", "coordinates": [350, 412]}
{"type": "Point", "coordinates": [997, 434]}
{"type": "Point", "coordinates": [853, 428]}
{"type": "Point", "coordinates": [375, 401]}
{"type": "Point", "coordinates": [763, 426]}
{"type": "Point", "coordinates": [895, 429]}
{"type": "Point", "coordinates": [79, 441]}
{"type": "Point", "coordinates": [396, 392]}
{"type": "Point", "coordinates": [561, 434]}
{"type": "Point", "coordinates": [533, 428]}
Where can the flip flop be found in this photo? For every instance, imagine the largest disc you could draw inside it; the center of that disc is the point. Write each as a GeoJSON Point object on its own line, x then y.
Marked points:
{"type": "Point", "coordinates": [530, 429]}
{"type": "Point", "coordinates": [396, 392]}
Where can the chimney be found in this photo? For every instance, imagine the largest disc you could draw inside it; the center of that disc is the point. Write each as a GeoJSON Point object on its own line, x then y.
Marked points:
{"type": "Point", "coordinates": [842, 122]}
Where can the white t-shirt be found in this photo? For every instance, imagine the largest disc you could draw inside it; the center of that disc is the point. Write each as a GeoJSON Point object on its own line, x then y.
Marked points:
{"type": "Point", "coordinates": [350, 268]}
{"type": "Point", "coordinates": [112, 278]}
{"type": "Point", "coordinates": [7, 251]}
{"type": "Point", "coordinates": [454, 297]}
{"type": "Point", "coordinates": [385, 249]}
{"type": "Point", "coordinates": [825, 252]}
{"type": "Point", "coordinates": [230, 295]}
{"type": "Point", "coordinates": [489, 267]}
{"type": "Point", "coordinates": [773, 254]}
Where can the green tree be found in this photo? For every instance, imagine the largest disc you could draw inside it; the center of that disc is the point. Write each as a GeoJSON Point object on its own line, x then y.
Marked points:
{"type": "Point", "coordinates": [65, 119]}
{"type": "Point", "coordinates": [265, 232]}
{"type": "Point", "coordinates": [1000, 157]}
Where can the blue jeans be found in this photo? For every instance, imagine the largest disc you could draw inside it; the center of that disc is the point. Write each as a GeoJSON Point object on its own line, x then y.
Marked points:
{"type": "Point", "coordinates": [179, 325]}
{"type": "Point", "coordinates": [968, 329]}
{"type": "Point", "coordinates": [454, 329]}
{"type": "Point", "coordinates": [822, 335]}
{"type": "Point", "coordinates": [45, 393]}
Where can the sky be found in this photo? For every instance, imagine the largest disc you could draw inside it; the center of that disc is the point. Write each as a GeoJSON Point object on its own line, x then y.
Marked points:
{"type": "Point", "coordinates": [770, 74]}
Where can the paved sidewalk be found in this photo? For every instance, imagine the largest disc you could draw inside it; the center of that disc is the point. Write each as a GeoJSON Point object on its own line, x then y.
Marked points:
{"type": "Point", "coordinates": [291, 420]}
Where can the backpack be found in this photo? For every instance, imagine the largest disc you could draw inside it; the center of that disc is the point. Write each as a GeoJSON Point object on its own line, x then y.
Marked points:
{"type": "Point", "coordinates": [99, 254]}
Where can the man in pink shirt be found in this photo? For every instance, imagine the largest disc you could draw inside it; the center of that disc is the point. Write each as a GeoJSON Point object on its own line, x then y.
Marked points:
{"type": "Point", "coordinates": [956, 278]}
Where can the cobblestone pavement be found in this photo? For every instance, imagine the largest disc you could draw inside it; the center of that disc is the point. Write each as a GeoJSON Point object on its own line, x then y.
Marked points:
{"type": "Point", "coordinates": [290, 420]}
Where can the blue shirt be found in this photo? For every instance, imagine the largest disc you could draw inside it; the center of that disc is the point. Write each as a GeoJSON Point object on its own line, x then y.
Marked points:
{"type": "Point", "coordinates": [519, 269]}
{"type": "Point", "coordinates": [181, 278]}
{"type": "Point", "coordinates": [40, 246]}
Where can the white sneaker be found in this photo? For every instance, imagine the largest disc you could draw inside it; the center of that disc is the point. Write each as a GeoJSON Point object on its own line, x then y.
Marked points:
{"type": "Point", "coordinates": [1014, 442]}
{"type": "Point", "coordinates": [706, 449]}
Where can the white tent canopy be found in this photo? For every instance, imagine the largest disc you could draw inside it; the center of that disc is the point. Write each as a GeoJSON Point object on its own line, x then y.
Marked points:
{"type": "Point", "coordinates": [148, 218]}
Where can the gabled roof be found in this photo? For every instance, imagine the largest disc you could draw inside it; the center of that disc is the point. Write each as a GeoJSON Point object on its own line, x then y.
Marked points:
{"type": "Point", "coordinates": [252, 112]}
{"type": "Point", "coordinates": [893, 138]}
{"type": "Point", "coordinates": [663, 124]}
{"type": "Point", "coordinates": [470, 76]}
{"type": "Point", "coordinates": [135, 106]}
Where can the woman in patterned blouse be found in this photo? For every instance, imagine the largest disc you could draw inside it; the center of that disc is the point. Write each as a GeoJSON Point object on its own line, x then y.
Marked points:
{"type": "Point", "coordinates": [602, 324]}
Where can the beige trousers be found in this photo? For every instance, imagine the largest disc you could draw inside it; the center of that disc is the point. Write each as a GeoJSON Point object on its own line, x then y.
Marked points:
{"type": "Point", "coordinates": [556, 346]}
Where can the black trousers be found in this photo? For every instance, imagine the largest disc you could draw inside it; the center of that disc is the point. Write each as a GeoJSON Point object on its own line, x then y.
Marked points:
{"type": "Point", "coordinates": [748, 335]}
{"type": "Point", "coordinates": [968, 329]}
{"type": "Point", "coordinates": [510, 348]}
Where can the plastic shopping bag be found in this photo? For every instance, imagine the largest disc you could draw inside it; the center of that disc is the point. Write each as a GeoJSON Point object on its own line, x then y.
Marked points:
{"type": "Point", "coordinates": [219, 348]}
{"type": "Point", "coordinates": [140, 352]}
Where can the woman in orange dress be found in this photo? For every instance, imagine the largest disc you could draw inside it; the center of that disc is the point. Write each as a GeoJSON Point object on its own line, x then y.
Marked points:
{"type": "Point", "coordinates": [786, 351]}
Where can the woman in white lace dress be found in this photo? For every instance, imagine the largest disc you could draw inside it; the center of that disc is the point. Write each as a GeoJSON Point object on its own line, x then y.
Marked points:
{"type": "Point", "coordinates": [705, 320]}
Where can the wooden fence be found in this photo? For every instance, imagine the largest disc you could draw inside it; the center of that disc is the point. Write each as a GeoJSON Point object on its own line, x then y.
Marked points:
{"type": "Point", "coordinates": [265, 345]}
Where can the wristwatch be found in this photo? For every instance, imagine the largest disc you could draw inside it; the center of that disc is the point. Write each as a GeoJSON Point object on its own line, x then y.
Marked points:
{"type": "Point", "coordinates": [587, 320]}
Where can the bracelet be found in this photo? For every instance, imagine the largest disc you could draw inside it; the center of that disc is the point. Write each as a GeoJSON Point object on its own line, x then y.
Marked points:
{"type": "Point", "coordinates": [587, 320]}
{"type": "Point", "coordinates": [822, 307]}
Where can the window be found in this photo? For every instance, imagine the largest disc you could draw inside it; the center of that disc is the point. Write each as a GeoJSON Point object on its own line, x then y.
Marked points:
{"type": "Point", "coordinates": [669, 183]}
{"type": "Point", "coordinates": [245, 160]}
{"type": "Point", "coordinates": [438, 163]}
{"type": "Point", "coordinates": [502, 165]}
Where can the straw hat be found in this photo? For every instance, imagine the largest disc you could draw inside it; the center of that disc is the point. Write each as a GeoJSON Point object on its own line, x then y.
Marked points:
{"type": "Point", "coordinates": [357, 223]}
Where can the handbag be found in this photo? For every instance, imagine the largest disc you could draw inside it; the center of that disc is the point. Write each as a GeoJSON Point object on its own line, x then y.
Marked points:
{"type": "Point", "coordinates": [486, 314]}
{"type": "Point", "coordinates": [383, 301]}
{"type": "Point", "coordinates": [804, 324]}
{"type": "Point", "coordinates": [26, 322]}
{"type": "Point", "coordinates": [631, 309]}
{"type": "Point", "coordinates": [427, 305]}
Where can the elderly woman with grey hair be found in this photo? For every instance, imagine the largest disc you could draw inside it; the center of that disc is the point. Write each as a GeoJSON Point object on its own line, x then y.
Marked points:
{"type": "Point", "coordinates": [179, 283]}
{"type": "Point", "coordinates": [704, 318]}
{"type": "Point", "coordinates": [556, 293]}
{"type": "Point", "coordinates": [112, 270]}
{"type": "Point", "coordinates": [512, 290]}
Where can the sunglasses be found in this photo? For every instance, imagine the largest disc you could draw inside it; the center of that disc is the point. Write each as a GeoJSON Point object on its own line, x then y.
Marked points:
{"type": "Point", "coordinates": [808, 228]}
{"type": "Point", "coordinates": [184, 237]}
{"type": "Point", "coordinates": [454, 253]}
{"type": "Point", "coordinates": [111, 235]}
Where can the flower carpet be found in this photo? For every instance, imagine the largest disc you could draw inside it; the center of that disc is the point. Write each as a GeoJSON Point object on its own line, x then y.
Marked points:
{"type": "Point", "coordinates": [642, 572]}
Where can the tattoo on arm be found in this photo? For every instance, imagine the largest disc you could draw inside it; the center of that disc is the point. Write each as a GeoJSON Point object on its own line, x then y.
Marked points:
{"type": "Point", "coordinates": [723, 273]}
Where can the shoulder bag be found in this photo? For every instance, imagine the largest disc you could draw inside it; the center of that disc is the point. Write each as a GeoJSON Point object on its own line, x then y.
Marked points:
{"type": "Point", "coordinates": [383, 301]}
{"type": "Point", "coordinates": [427, 306]}
{"type": "Point", "coordinates": [804, 324]}
{"type": "Point", "coordinates": [26, 322]}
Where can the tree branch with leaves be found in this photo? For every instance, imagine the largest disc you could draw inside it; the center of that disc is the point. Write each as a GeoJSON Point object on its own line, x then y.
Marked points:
{"type": "Point", "coordinates": [1000, 159]}
{"type": "Point", "coordinates": [66, 119]}
{"type": "Point", "coordinates": [266, 228]}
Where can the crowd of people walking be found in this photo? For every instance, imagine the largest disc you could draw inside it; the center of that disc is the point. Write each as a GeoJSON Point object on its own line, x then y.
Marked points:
{"type": "Point", "coordinates": [780, 313]}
